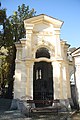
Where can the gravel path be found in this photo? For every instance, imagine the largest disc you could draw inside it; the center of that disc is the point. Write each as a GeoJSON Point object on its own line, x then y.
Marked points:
{"type": "Point", "coordinates": [16, 115]}
{"type": "Point", "coordinates": [11, 115]}
{"type": "Point", "coordinates": [76, 116]}
{"type": "Point", "coordinates": [6, 114]}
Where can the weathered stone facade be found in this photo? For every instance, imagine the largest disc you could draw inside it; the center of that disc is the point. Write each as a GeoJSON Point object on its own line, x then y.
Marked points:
{"type": "Point", "coordinates": [76, 58]}
{"type": "Point", "coordinates": [42, 32]}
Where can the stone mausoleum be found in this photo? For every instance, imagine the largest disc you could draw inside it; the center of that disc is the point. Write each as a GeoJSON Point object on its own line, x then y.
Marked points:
{"type": "Point", "coordinates": [42, 68]}
{"type": "Point", "coordinates": [76, 58]}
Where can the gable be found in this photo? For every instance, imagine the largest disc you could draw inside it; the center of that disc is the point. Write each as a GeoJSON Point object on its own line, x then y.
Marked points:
{"type": "Point", "coordinates": [43, 27]}
{"type": "Point", "coordinates": [37, 19]}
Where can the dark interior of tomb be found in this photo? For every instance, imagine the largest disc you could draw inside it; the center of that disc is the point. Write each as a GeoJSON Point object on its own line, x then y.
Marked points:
{"type": "Point", "coordinates": [42, 79]}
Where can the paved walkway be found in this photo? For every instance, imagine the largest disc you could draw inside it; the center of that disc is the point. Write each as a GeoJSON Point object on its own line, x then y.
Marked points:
{"type": "Point", "coordinates": [76, 116]}
{"type": "Point", "coordinates": [6, 114]}
{"type": "Point", "coordinates": [16, 115]}
{"type": "Point", "coordinates": [11, 115]}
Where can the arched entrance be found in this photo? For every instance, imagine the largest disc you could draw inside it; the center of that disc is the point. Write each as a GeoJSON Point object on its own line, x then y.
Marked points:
{"type": "Point", "coordinates": [42, 78]}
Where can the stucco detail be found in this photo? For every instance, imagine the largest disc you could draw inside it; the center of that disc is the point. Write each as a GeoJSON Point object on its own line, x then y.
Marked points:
{"type": "Point", "coordinates": [76, 57]}
{"type": "Point", "coordinates": [41, 31]}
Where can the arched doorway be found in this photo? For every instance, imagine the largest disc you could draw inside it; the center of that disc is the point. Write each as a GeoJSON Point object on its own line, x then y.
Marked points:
{"type": "Point", "coordinates": [42, 78]}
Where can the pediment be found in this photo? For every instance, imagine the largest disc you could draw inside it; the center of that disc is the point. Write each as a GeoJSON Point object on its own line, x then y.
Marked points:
{"type": "Point", "coordinates": [44, 18]}
{"type": "Point", "coordinates": [43, 27]}
{"type": "Point", "coordinates": [76, 52]}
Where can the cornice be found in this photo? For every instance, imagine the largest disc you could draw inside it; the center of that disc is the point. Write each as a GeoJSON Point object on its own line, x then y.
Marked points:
{"type": "Point", "coordinates": [57, 23]}
{"type": "Point", "coordinates": [76, 52]}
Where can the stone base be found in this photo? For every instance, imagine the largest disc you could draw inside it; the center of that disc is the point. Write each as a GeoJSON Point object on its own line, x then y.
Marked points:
{"type": "Point", "coordinates": [24, 107]}
{"type": "Point", "coordinates": [14, 104]}
{"type": "Point", "coordinates": [21, 105]}
{"type": "Point", "coordinates": [65, 105]}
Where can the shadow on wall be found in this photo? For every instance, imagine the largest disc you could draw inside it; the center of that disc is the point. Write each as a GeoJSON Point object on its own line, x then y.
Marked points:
{"type": "Point", "coordinates": [74, 97]}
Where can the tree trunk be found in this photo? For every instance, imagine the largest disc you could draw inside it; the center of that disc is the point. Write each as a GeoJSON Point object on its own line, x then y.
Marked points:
{"type": "Point", "coordinates": [11, 74]}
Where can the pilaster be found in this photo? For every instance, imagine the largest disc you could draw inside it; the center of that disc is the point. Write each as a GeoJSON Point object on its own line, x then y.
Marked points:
{"type": "Point", "coordinates": [57, 42]}
{"type": "Point", "coordinates": [64, 81]}
{"type": "Point", "coordinates": [56, 80]}
{"type": "Point", "coordinates": [23, 78]}
{"type": "Point", "coordinates": [28, 80]}
{"type": "Point", "coordinates": [61, 80]}
{"type": "Point", "coordinates": [31, 80]}
{"type": "Point", "coordinates": [68, 81]}
{"type": "Point", "coordinates": [29, 30]}
{"type": "Point", "coordinates": [17, 81]}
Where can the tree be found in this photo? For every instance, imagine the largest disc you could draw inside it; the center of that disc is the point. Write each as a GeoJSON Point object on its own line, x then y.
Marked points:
{"type": "Point", "coordinates": [6, 38]}
{"type": "Point", "coordinates": [11, 30]}
{"type": "Point", "coordinates": [2, 26]}
{"type": "Point", "coordinates": [3, 70]}
{"type": "Point", "coordinates": [18, 31]}
{"type": "Point", "coordinates": [6, 41]}
{"type": "Point", "coordinates": [17, 21]}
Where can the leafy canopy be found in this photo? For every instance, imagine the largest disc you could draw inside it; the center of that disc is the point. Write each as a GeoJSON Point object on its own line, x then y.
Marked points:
{"type": "Point", "coordinates": [17, 21]}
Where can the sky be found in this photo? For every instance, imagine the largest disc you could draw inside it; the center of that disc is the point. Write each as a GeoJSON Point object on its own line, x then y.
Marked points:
{"type": "Point", "coordinates": [65, 10]}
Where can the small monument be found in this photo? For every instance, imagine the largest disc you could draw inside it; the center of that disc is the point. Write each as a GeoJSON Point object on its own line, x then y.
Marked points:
{"type": "Point", "coordinates": [42, 65]}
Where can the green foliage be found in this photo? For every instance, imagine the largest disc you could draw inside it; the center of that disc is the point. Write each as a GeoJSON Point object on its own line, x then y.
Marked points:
{"type": "Point", "coordinates": [17, 21]}
{"type": "Point", "coordinates": [6, 38]}
{"type": "Point", "coordinates": [11, 30]}
{"type": "Point", "coordinates": [2, 15]}
{"type": "Point", "coordinates": [3, 68]}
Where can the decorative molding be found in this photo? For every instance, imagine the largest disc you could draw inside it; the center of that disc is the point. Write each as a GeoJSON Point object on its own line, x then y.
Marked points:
{"type": "Point", "coordinates": [36, 19]}
{"type": "Point", "coordinates": [76, 52]}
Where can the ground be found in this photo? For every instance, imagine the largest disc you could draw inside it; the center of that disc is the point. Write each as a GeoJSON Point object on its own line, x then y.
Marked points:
{"type": "Point", "coordinates": [7, 114]}
{"type": "Point", "coordinates": [76, 116]}
{"type": "Point", "coordinates": [16, 115]}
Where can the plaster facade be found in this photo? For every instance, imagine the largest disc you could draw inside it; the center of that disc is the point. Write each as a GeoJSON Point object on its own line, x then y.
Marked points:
{"type": "Point", "coordinates": [42, 31]}
{"type": "Point", "coordinates": [76, 57]}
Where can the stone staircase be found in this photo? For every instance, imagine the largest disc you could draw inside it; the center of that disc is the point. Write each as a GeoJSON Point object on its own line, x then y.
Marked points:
{"type": "Point", "coordinates": [5, 104]}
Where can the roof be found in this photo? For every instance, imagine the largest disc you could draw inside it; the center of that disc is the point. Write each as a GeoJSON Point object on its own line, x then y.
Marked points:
{"type": "Point", "coordinates": [43, 17]}
{"type": "Point", "coordinates": [76, 52]}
